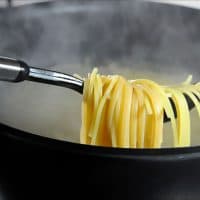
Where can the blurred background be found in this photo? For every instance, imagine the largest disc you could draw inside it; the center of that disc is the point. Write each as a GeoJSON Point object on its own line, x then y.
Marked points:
{"type": "Point", "coordinates": [187, 3]}
{"type": "Point", "coordinates": [5, 3]}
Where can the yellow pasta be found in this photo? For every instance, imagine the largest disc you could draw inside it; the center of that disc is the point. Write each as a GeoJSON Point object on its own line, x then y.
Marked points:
{"type": "Point", "coordinates": [130, 113]}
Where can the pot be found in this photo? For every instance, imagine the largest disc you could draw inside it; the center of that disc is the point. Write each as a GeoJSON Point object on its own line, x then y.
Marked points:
{"type": "Point", "coordinates": [39, 143]}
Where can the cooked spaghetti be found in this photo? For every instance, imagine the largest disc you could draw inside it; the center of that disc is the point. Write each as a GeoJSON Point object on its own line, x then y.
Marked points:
{"type": "Point", "coordinates": [129, 113]}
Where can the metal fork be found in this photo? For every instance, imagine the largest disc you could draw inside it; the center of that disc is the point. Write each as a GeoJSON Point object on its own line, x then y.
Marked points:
{"type": "Point", "coordinates": [17, 71]}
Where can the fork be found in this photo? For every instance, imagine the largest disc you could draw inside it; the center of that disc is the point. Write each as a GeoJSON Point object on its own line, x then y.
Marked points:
{"type": "Point", "coordinates": [13, 70]}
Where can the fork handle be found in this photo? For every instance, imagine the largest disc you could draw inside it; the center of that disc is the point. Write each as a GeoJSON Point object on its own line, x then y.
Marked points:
{"type": "Point", "coordinates": [16, 71]}
{"type": "Point", "coordinates": [13, 70]}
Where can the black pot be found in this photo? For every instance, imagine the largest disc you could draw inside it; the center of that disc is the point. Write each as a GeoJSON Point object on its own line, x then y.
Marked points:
{"type": "Point", "coordinates": [36, 167]}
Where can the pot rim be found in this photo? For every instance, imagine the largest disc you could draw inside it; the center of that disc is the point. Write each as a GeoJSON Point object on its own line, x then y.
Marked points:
{"type": "Point", "coordinates": [163, 154]}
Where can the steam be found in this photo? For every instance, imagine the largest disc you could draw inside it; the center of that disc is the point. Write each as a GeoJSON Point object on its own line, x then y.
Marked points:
{"type": "Point", "coordinates": [135, 39]}
{"type": "Point", "coordinates": [189, 4]}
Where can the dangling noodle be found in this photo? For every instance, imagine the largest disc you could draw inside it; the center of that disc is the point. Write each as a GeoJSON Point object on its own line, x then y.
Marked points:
{"type": "Point", "coordinates": [130, 113]}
